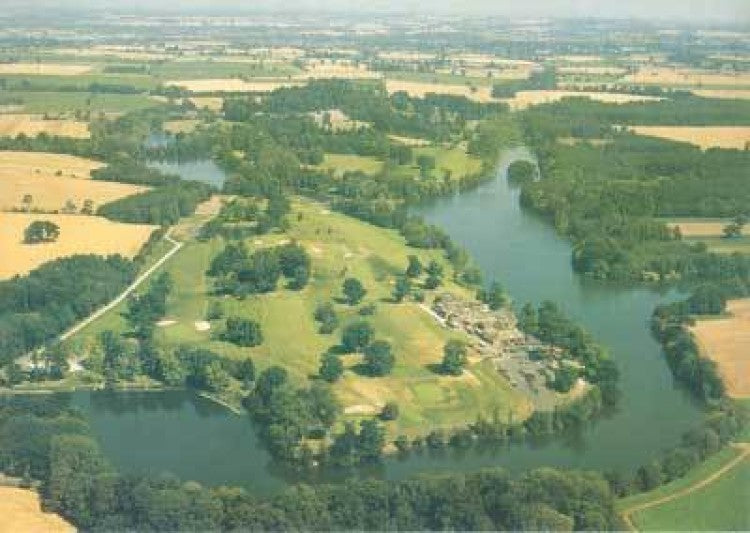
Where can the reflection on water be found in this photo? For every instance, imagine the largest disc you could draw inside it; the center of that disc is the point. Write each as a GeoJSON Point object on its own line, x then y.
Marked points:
{"type": "Point", "coordinates": [198, 440]}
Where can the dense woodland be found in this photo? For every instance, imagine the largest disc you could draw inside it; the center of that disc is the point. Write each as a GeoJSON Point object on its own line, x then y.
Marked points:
{"type": "Point", "coordinates": [607, 196]}
{"type": "Point", "coordinates": [38, 307]}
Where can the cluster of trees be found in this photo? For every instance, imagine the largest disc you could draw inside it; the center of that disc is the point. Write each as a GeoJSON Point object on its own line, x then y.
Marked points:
{"type": "Point", "coordinates": [42, 438]}
{"type": "Point", "coordinates": [607, 197]}
{"type": "Point", "coordinates": [41, 231]}
{"type": "Point", "coordinates": [163, 206]}
{"type": "Point", "coordinates": [722, 425]}
{"type": "Point", "coordinates": [243, 217]}
{"type": "Point", "coordinates": [550, 325]}
{"type": "Point", "coordinates": [378, 358]}
{"type": "Point", "coordinates": [145, 309]}
{"type": "Point", "coordinates": [239, 273]}
{"type": "Point", "coordinates": [38, 307]}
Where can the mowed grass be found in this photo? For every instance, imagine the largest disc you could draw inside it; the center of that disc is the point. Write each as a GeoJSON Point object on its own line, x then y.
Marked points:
{"type": "Point", "coordinates": [78, 235]}
{"type": "Point", "coordinates": [52, 180]}
{"type": "Point", "coordinates": [21, 510]}
{"type": "Point", "coordinates": [340, 163]}
{"type": "Point", "coordinates": [718, 506]}
{"type": "Point", "coordinates": [339, 247]}
{"type": "Point", "coordinates": [454, 160]}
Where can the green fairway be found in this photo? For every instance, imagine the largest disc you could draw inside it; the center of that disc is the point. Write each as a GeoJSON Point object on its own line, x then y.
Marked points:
{"type": "Point", "coordinates": [339, 247]}
{"type": "Point", "coordinates": [340, 163]}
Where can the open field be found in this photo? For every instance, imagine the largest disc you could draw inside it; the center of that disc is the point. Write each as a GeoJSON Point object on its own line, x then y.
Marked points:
{"type": "Point", "coordinates": [340, 163]}
{"type": "Point", "coordinates": [695, 227]}
{"type": "Point", "coordinates": [685, 77]}
{"type": "Point", "coordinates": [36, 174]}
{"type": "Point", "coordinates": [420, 89]}
{"type": "Point", "coordinates": [33, 125]}
{"type": "Point", "coordinates": [20, 511]}
{"type": "Point", "coordinates": [453, 160]}
{"type": "Point", "coordinates": [738, 94]}
{"type": "Point", "coordinates": [231, 85]}
{"type": "Point", "coordinates": [524, 99]}
{"type": "Point", "coordinates": [181, 126]}
{"type": "Point", "coordinates": [726, 340]}
{"type": "Point", "coordinates": [605, 71]}
{"type": "Point", "coordinates": [409, 141]}
{"type": "Point", "coordinates": [78, 235]}
{"type": "Point", "coordinates": [710, 498]}
{"type": "Point", "coordinates": [44, 69]}
{"type": "Point", "coordinates": [702, 136]}
{"type": "Point", "coordinates": [213, 103]}
{"type": "Point", "coordinates": [70, 102]}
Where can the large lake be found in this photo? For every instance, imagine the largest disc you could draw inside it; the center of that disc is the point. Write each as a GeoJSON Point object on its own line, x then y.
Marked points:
{"type": "Point", "coordinates": [186, 435]}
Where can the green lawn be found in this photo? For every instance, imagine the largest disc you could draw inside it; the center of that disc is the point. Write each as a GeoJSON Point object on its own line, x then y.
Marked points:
{"type": "Point", "coordinates": [725, 246]}
{"type": "Point", "coordinates": [340, 163]}
{"type": "Point", "coordinates": [340, 247]}
{"type": "Point", "coordinates": [719, 506]}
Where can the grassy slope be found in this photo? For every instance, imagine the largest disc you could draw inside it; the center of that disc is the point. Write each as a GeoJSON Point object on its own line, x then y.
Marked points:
{"type": "Point", "coordinates": [717, 506]}
{"type": "Point", "coordinates": [57, 102]}
{"type": "Point", "coordinates": [340, 247]}
{"type": "Point", "coordinates": [722, 505]}
{"type": "Point", "coordinates": [340, 163]}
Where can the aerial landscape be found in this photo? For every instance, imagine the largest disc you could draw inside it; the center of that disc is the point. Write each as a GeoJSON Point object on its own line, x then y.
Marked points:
{"type": "Point", "coordinates": [362, 267]}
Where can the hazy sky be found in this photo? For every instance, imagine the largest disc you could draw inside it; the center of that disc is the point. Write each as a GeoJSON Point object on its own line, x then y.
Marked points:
{"type": "Point", "coordinates": [695, 10]}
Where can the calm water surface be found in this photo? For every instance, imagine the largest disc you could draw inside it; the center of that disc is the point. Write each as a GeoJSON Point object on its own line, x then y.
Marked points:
{"type": "Point", "coordinates": [196, 440]}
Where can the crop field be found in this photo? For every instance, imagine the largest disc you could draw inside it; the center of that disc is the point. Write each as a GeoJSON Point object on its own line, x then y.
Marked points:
{"type": "Point", "coordinates": [181, 126]}
{"type": "Point", "coordinates": [525, 99]}
{"type": "Point", "coordinates": [21, 510]}
{"type": "Point", "coordinates": [702, 136]}
{"type": "Point", "coordinates": [339, 247]}
{"type": "Point", "coordinates": [212, 103]}
{"type": "Point", "coordinates": [32, 125]}
{"type": "Point", "coordinates": [78, 235]}
{"type": "Point", "coordinates": [695, 227]}
{"type": "Point", "coordinates": [52, 180]}
{"type": "Point", "coordinates": [730, 94]}
{"type": "Point", "coordinates": [409, 141]}
{"type": "Point", "coordinates": [684, 77]}
{"type": "Point", "coordinates": [606, 71]}
{"type": "Point", "coordinates": [69, 102]}
{"type": "Point", "coordinates": [712, 497]}
{"type": "Point", "coordinates": [45, 69]}
{"type": "Point", "coordinates": [726, 341]}
{"type": "Point", "coordinates": [419, 89]}
{"type": "Point", "coordinates": [231, 85]}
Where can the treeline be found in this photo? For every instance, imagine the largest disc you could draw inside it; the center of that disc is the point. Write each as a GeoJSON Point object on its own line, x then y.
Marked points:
{"type": "Point", "coordinates": [128, 170]}
{"type": "Point", "coordinates": [43, 439]}
{"type": "Point", "coordinates": [546, 79]}
{"type": "Point", "coordinates": [162, 206]}
{"type": "Point", "coordinates": [38, 307]}
{"type": "Point", "coordinates": [606, 197]}
{"type": "Point", "coordinates": [670, 323]}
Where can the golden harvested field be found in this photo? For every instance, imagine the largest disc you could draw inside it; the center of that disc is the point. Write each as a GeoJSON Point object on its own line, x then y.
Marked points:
{"type": "Point", "coordinates": [214, 103]}
{"type": "Point", "coordinates": [234, 85]}
{"type": "Point", "coordinates": [703, 229]}
{"type": "Point", "coordinates": [727, 341]}
{"type": "Point", "coordinates": [405, 55]}
{"type": "Point", "coordinates": [44, 69]}
{"type": "Point", "coordinates": [738, 94]}
{"type": "Point", "coordinates": [579, 59]}
{"type": "Point", "coordinates": [524, 99]}
{"type": "Point", "coordinates": [181, 126]}
{"type": "Point", "coordinates": [21, 512]}
{"type": "Point", "coordinates": [614, 71]}
{"type": "Point", "coordinates": [338, 70]}
{"type": "Point", "coordinates": [701, 136]}
{"type": "Point", "coordinates": [78, 235]}
{"type": "Point", "coordinates": [33, 125]}
{"type": "Point", "coordinates": [510, 73]}
{"type": "Point", "coordinates": [23, 173]}
{"type": "Point", "coordinates": [686, 77]}
{"type": "Point", "coordinates": [418, 89]}
{"type": "Point", "coordinates": [409, 141]}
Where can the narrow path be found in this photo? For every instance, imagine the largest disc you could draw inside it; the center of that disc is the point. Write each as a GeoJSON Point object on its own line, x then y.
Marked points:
{"type": "Point", "coordinates": [124, 294]}
{"type": "Point", "coordinates": [627, 514]}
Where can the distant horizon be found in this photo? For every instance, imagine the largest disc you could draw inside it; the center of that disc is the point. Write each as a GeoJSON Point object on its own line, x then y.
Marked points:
{"type": "Point", "coordinates": [732, 12]}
